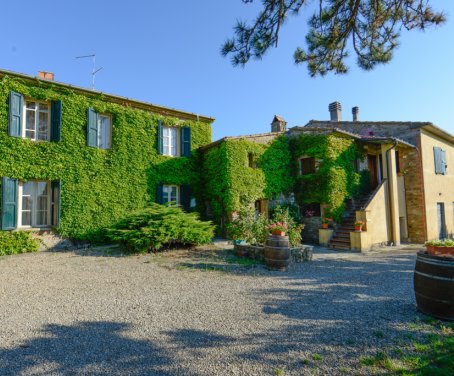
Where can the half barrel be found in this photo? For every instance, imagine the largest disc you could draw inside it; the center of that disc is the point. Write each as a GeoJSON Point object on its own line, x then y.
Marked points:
{"type": "Point", "coordinates": [434, 285]}
{"type": "Point", "coordinates": [277, 252]}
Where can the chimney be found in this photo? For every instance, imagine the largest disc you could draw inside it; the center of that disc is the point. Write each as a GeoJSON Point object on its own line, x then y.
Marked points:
{"type": "Point", "coordinates": [46, 75]}
{"type": "Point", "coordinates": [335, 111]}
{"type": "Point", "coordinates": [278, 124]}
{"type": "Point", "coordinates": [355, 112]}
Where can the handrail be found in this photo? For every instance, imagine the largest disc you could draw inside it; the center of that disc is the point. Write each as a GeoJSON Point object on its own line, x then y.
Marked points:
{"type": "Point", "coordinates": [372, 195]}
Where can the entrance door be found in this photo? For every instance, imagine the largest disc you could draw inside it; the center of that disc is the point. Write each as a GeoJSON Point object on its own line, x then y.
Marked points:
{"type": "Point", "coordinates": [372, 165]}
{"type": "Point", "coordinates": [441, 220]}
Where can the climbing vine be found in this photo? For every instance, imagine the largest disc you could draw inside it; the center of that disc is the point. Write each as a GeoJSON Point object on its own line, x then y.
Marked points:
{"type": "Point", "coordinates": [98, 186]}
{"type": "Point", "coordinates": [230, 183]}
{"type": "Point", "coordinates": [335, 178]}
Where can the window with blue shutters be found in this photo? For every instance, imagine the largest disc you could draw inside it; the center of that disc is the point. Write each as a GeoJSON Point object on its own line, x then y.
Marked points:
{"type": "Point", "coordinates": [173, 141]}
{"type": "Point", "coordinates": [32, 119]}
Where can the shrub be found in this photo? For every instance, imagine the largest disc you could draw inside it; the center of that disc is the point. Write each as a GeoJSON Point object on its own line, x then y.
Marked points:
{"type": "Point", "coordinates": [17, 242]}
{"type": "Point", "coordinates": [157, 226]}
{"type": "Point", "coordinates": [249, 227]}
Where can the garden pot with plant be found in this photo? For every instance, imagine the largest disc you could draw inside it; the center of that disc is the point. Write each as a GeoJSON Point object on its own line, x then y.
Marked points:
{"type": "Point", "coordinates": [278, 228]}
{"type": "Point", "coordinates": [359, 226]}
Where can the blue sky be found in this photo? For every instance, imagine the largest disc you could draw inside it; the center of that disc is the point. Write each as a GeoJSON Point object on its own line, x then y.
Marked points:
{"type": "Point", "coordinates": [167, 53]}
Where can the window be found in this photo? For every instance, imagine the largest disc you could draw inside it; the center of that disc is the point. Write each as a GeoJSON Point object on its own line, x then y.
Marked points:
{"type": "Point", "coordinates": [35, 120]}
{"type": "Point", "coordinates": [104, 131]}
{"type": "Point", "coordinates": [170, 194]}
{"type": "Point", "coordinates": [99, 130]}
{"type": "Point", "coordinates": [307, 165]}
{"type": "Point", "coordinates": [170, 141]}
{"type": "Point", "coordinates": [34, 204]}
{"type": "Point", "coordinates": [251, 161]}
{"type": "Point", "coordinates": [440, 161]}
{"type": "Point", "coordinates": [174, 141]}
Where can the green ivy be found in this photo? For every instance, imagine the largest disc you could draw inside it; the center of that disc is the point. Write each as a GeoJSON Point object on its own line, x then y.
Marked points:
{"type": "Point", "coordinates": [230, 184]}
{"type": "Point", "coordinates": [335, 179]}
{"type": "Point", "coordinates": [99, 187]}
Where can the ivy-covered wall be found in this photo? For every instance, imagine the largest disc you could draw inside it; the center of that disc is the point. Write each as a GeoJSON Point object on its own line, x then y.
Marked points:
{"type": "Point", "coordinates": [335, 178]}
{"type": "Point", "coordinates": [98, 186]}
{"type": "Point", "coordinates": [229, 183]}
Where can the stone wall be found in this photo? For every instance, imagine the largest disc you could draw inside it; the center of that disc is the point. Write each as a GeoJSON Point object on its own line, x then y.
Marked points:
{"type": "Point", "coordinates": [310, 231]}
{"type": "Point", "coordinates": [298, 254]}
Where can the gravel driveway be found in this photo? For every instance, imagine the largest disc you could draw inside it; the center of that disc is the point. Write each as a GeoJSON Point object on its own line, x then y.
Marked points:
{"type": "Point", "coordinates": [67, 313]}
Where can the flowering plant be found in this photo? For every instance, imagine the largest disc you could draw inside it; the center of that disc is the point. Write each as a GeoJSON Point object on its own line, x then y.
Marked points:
{"type": "Point", "coordinates": [326, 220]}
{"type": "Point", "coordinates": [359, 223]}
{"type": "Point", "coordinates": [278, 226]}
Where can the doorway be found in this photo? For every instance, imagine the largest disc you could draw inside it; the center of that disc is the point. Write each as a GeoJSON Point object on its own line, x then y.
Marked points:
{"type": "Point", "coordinates": [372, 166]}
{"type": "Point", "coordinates": [441, 220]}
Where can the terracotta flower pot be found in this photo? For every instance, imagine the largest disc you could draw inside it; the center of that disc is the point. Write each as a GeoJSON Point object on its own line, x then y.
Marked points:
{"type": "Point", "coordinates": [325, 225]}
{"type": "Point", "coordinates": [358, 228]}
{"type": "Point", "coordinates": [278, 232]}
{"type": "Point", "coordinates": [440, 251]}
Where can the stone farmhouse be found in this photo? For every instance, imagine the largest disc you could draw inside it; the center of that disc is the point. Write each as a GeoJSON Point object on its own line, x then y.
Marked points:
{"type": "Point", "coordinates": [80, 160]}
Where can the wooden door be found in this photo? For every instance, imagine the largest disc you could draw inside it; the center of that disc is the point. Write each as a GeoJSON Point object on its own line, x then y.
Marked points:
{"type": "Point", "coordinates": [441, 220]}
{"type": "Point", "coordinates": [372, 165]}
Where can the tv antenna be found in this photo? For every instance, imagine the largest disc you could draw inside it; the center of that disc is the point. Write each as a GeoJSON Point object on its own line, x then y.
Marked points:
{"type": "Point", "coordinates": [94, 71]}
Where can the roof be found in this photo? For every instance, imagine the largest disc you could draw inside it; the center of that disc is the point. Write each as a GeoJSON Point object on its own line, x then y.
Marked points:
{"type": "Point", "coordinates": [167, 111]}
{"type": "Point", "coordinates": [243, 137]}
{"type": "Point", "coordinates": [368, 138]}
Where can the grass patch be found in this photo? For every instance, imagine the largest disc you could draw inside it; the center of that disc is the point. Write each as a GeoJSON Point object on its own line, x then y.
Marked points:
{"type": "Point", "coordinates": [317, 357]}
{"type": "Point", "coordinates": [433, 355]}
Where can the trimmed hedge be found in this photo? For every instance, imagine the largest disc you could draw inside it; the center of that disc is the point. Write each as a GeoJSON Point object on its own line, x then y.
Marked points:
{"type": "Point", "coordinates": [17, 242]}
{"type": "Point", "coordinates": [160, 226]}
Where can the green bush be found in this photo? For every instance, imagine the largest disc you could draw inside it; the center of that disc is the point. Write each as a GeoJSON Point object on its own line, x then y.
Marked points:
{"type": "Point", "coordinates": [249, 227]}
{"type": "Point", "coordinates": [160, 226]}
{"type": "Point", "coordinates": [17, 242]}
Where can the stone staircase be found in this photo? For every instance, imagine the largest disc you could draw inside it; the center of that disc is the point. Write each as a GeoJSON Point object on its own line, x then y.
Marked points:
{"type": "Point", "coordinates": [341, 235]}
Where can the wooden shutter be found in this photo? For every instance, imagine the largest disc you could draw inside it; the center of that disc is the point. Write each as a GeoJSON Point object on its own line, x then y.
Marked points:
{"type": "Point", "coordinates": [443, 161]}
{"type": "Point", "coordinates": [56, 202]}
{"type": "Point", "coordinates": [92, 128]}
{"type": "Point", "coordinates": [438, 160]}
{"type": "Point", "coordinates": [9, 203]}
{"type": "Point", "coordinates": [159, 193]}
{"type": "Point", "coordinates": [16, 102]}
{"type": "Point", "coordinates": [185, 197]}
{"type": "Point", "coordinates": [185, 141]}
{"type": "Point", "coordinates": [160, 140]}
{"type": "Point", "coordinates": [55, 122]}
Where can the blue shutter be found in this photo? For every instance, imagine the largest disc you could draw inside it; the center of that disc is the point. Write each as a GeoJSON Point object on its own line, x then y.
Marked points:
{"type": "Point", "coordinates": [185, 197]}
{"type": "Point", "coordinates": [92, 128]}
{"type": "Point", "coordinates": [160, 141]}
{"type": "Point", "coordinates": [443, 161]}
{"type": "Point", "coordinates": [55, 122]}
{"type": "Point", "coordinates": [9, 203]}
{"type": "Point", "coordinates": [185, 141]}
{"type": "Point", "coordinates": [56, 202]}
{"type": "Point", "coordinates": [437, 156]}
{"type": "Point", "coordinates": [159, 194]}
{"type": "Point", "coordinates": [16, 102]}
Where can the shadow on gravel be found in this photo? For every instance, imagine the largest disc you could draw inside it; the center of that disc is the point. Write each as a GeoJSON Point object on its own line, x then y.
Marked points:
{"type": "Point", "coordinates": [88, 348]}
{"type": "Point", "coordinates": [341, 304]}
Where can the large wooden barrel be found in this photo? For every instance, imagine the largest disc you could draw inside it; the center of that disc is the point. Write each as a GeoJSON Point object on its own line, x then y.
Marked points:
{"type": "Point", "coordinates": [277, 252]}
{"type": "Point", "coordinates": [434, 285]}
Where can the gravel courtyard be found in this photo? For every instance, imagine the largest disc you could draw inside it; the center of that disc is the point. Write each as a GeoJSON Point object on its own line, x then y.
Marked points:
{"type": "Point", "coordinates": [85, 313]}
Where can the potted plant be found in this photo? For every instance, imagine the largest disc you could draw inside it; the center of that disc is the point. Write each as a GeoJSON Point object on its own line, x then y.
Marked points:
{"type": "Point", "coordinates": [359, 226]}
{"type": "Point", "coordinates": [442, 248]}
{"type": "Point", "coordinates": [325, 222]}
{"type": "Point", "coordinates": [278, 228]}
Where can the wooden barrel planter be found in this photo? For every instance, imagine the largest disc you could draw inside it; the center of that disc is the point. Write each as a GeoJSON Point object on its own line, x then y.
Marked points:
{"type": "Point", "coordinates": [277, 252]}
{"type": "Point", "coordinates": [434, 285]}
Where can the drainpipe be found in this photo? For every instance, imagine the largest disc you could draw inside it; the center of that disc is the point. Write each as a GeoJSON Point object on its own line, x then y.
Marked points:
{"type": "Point", "coordinates": [390, 204]}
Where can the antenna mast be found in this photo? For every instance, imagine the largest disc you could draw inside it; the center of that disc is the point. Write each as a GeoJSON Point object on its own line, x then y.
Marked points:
{"type": "Point", "coordinates": [94, 71]}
